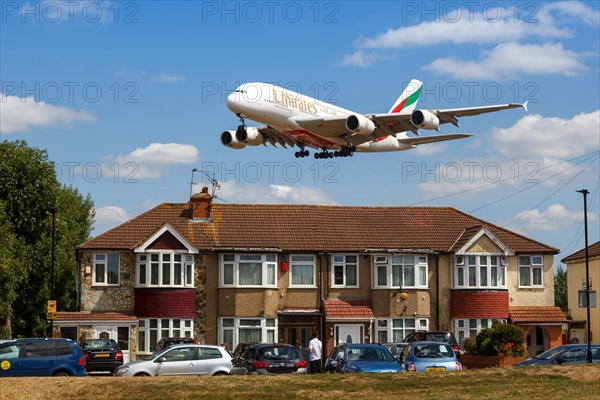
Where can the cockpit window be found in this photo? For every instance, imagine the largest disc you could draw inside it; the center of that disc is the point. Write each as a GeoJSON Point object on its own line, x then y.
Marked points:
{"type": "Point", "coordinates": [239, 91]}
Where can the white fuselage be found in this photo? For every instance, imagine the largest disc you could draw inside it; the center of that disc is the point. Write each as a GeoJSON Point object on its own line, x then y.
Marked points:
{"type": "Point", "coordinates": [279, 108]}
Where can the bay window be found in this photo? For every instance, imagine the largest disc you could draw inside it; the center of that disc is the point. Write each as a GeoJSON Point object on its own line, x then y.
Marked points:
{"type": "Point", "coordinates": [400, 271]}
{"type": "Point", "coordinates": [396, 329]}
{"type": "Point", "coordinates": [481, 271]}
{"type": "Point", "coordinates": [248, 270]}
{"type": "Point", "coordinates": [150, 331]}
{"type": "Point", "coordinates": [165, 269]}
{"type": "Point", "coordinates": [247, 330]}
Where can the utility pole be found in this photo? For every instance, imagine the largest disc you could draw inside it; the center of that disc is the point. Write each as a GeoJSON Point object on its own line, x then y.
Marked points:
{"type": "Point", "coordinates": [53, 251]}
{"type": "Point", "coordinates": [585, 192]}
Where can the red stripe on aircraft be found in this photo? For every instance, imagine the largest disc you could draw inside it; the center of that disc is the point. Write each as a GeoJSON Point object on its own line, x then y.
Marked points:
{"type": "Point", "coordinates": [312, 140]}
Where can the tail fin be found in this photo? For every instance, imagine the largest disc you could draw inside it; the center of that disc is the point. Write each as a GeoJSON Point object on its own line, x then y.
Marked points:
{"type": "Point", "coordinates": [407, 101]}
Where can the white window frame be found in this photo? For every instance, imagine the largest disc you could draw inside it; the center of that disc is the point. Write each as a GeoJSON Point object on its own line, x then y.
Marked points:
{"type": "Point", "coordinates": [268, 261]}
{"type": "Point", "coordinates": [399, 325]}
{"type": "Point", "coordinates": [470, 327]}
{"type": "Point", "coordinates": [531, 266]}
{"type": "Point", "coordinates": [459, 268]}
{"type": "Point", "coordinates": [296, 261]}
{"type": "Point", "coordinates": [268, 326]}
{"type": "Point", "coordinates": [421, 261]}
{"type": "Point", "coordinates": [144, 262]}
{"type": "Point", "coordinates": [165, 327]}
{"type": "Point", "coordinates": [337, 260]}
{"type": "Point", "coordinates": [96, 262]}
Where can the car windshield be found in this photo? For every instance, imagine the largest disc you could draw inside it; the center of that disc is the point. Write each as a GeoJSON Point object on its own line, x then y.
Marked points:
{"type": "Point", "coordinates": [369, 354]}
{"type": "Point", "coordinates": [278, 353]}
{"type": "Point", "coordinates": [550, 353]}
{"type": "Point", "coordinates": [96, 344]}
{"type": "Point", "coordinates": [433, 350]}
{"type": "Point", "coordinates": [436, 337]}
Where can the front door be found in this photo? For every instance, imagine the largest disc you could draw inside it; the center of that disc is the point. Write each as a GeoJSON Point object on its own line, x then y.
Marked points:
{"type": "Point", "coordinates": [299, 336]}
{"type": "Point", "coordinates": [349, 333]}
{"type": "Point", "coordinates": [119, 334]}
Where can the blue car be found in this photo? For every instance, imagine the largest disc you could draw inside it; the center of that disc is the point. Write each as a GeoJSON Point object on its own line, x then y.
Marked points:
{"type": "Point", "coordinates": [41, 357]}
{"type": "Point", "coordinates": [567, 354]}
{"type": "Point", "coordinates": [351, 357]}
{"type": "Point", "coordinates": [430, 357]}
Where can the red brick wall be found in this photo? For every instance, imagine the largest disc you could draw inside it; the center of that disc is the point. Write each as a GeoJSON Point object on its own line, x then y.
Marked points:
{"type": "Point", "coordinates": [479, 304]}
{"type": "Point", "coordinates": [555, 337]}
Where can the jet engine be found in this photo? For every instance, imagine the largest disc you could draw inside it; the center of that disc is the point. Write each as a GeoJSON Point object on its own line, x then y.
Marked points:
{"type": "Point", "coordinates": [360, 125]}
{"type": "Point", "coordinates": [424, 119]}
{"type": "Point", "coordinates": [228, 139]}
{"type": "Point", "coordinates": [249, 136]}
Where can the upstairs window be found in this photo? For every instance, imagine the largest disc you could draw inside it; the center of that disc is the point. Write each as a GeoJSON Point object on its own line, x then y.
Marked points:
{"type": "Point", "coordinates": [481, 271]}
{"type": "Point", "coordinates": [165, 269]}
{"type": "Point", "coordinates": [248, 270]}
{"type": "Point", "coordinates": [531, 271]}
{"type": "Point", "coordinates": [106, 269]}
{"type": "Point", "coordinates": [344, 271]}
{"type": "Point", "coordinates": [400, 271]}
{"type": "Point", "coordinates": [302, 270]}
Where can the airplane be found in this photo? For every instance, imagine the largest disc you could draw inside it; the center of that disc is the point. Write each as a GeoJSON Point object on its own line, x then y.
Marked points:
{"type": "Point", "coordinates": [296, 120]}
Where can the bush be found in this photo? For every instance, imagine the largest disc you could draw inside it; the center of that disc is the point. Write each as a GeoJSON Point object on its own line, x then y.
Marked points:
{"type": "Point", "coordinates": [508, 340]}
{"type": "Point", "coordinates": [487, 348]}
{"type": "Point", "coordinates": [485, 333]}
{"type": "Point", "coordinates": [471, 345]}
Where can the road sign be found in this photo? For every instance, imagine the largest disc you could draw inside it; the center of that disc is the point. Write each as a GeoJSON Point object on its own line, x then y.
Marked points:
{"type": "Point", "coordinates": [51, 314]}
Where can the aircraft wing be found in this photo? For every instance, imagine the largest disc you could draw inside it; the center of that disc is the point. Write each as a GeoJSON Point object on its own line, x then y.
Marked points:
{"type": "Point", "coordinates": [432, 139]}
{"type": "Point", "coordinates": [276, 137]}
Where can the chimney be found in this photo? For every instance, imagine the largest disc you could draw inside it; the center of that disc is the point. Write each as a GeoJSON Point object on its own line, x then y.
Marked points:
{"type": "Point", "coordinates": [201, 205]}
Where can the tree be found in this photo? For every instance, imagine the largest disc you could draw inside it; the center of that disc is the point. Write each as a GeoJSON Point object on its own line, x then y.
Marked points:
{"type": "Point", "coordinates": [560, 288]}
{"type": "Point", "coordinates": [29, 191]}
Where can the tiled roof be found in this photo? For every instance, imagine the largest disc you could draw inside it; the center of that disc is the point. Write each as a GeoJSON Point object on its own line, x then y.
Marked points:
{"type": "Point", "coordinates": [311, 228]}
{"type": "Point", "coordinates": [593, 251]}
{"type": "Point", "coordinates": [347, 309]}
{"type": "Point", "coordinates": [93, 316]}
{"type": "Point", "coordinates": [520, 315]}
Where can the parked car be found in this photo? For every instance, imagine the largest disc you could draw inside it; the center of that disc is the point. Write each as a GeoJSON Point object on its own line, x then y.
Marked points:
{"type": "Point", "coordinates": [165, 342]}
{"type": "Point", "coordinates": [567, 354]}
{"type": "Point", "coordinates": [41, 357]}
{"type": "Point", "coordinates": [430, 357]}
{"type": "Point", "coordinates": [395, 348]}
{"type": "Point", "coordinates": [101, 355]}
{"type": "Point", "coordinates": [270, 359]}
{"type": "Point", "coordinates": [186, 359]}
{"type": "Point", "coordinates": [351, 357]}
{"type": "Point", "coordinates": [434, 336]}
{"type": "Point", "coordinates": [241, 347]}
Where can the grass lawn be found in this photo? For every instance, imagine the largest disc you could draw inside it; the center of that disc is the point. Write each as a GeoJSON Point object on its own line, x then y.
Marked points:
{"type": "Point", "coordinates": [566, 382]}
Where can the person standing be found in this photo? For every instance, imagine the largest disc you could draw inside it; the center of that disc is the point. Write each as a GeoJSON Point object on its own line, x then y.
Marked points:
{"type": "Point", "coordinates": [315, 348]}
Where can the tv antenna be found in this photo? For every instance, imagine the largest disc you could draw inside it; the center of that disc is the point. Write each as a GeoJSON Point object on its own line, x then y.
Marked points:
{"type": "Point", "coordinates": [211, 178]}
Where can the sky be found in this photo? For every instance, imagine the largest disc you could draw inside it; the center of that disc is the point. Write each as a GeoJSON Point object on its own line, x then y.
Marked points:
{"type": "Point", "coordinates": [128, 97]}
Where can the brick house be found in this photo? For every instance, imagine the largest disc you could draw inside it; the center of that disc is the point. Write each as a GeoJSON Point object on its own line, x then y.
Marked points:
{"type": "Point", "coordinates": [231, 273]}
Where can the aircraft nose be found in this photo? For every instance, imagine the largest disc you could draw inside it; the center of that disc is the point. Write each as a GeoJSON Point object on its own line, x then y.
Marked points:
{"type": "Point", "coordinates": [231, 100]}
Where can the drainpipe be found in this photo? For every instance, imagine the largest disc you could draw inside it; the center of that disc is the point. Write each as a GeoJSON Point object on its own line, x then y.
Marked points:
{"type": "Point", "coordinates": [437, 284]}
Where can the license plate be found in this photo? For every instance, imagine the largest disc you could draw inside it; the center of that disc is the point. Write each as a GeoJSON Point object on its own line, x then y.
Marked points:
{"type": "Point", "coordinates": [102, 355]}
{"type": "Point", "coordinates": [436, 369]}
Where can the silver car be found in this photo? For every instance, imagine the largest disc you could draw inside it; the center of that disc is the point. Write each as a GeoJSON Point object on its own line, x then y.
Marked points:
{"type": "Point", "coordinates": [188, 359]}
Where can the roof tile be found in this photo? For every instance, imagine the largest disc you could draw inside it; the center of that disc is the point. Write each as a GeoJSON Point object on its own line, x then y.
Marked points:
{"type": "Point", "coordinates": [347, 309]}
{"type": "Point", "coordinates": [520, 315]}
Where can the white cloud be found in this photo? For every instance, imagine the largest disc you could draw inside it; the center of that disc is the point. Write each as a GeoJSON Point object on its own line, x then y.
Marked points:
{"type": "Point", "coordinates": [430, 149]}
{"type": "Point", "coordinates": [539, 137]}
{"type": "Point", "coordinates": [110, 216]}
{"type": "Point", "coordinates": [507, 60]}
{"type": "Point", "coordinates": [17, 114]}
{"type": "Point", "coordinates": [361, 58]}
{"type": "Point", "coordinates": [555, 217]}
{"type": "Point", "coordinates": [166, 78]}
{"type": "Point", "coordinates": [489, 25]}
{"type": "Point", "coordinates": [273, 194]}
{"type": "Point", "coordinates": [152, 160]}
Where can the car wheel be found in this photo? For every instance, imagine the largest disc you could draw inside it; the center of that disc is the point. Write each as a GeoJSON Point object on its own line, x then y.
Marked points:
{"type": "Point", "coordinates": [62, 373]}
{"type": "Point", "coordinates": [220, 373]}
{"type": "Point", "coordinates": [141, 374]}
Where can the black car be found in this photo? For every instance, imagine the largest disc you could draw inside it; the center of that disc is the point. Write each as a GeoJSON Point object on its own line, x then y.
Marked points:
{"type": "Point", "coordinates": [270, 359]}
{"type": "Point", "coordinates": [101, 355]}
{"type": "Point", "coordinates": [563, 355]}
{"type": "Point", "coordinates": [434, 336]}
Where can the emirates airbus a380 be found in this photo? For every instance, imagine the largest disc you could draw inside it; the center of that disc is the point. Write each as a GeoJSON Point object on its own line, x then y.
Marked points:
{"type": "Point", "coordinates": [292, 119]}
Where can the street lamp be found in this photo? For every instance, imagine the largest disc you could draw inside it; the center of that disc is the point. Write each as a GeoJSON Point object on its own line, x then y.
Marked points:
{"type": "Point", "coordinates": [587, 275]}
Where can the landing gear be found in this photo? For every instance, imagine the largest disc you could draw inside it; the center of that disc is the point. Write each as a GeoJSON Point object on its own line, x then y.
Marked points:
{"type": "Point", "coordinates": [240, 132]}
{"type": "Point", "coordinates": [302, 153]}
{"type": "Point", "coordinates": [346, 151]}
